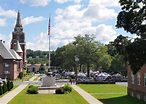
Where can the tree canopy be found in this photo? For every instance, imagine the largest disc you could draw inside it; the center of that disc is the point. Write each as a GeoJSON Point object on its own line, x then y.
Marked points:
{"type": "Point", "coordinates": [132, 19]}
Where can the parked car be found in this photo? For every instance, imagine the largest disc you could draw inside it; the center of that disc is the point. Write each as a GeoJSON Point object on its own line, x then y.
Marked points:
{"type": "Point", "coordinates": [115, 79]}
{"type": "Point", "coordinates": [124, 79]}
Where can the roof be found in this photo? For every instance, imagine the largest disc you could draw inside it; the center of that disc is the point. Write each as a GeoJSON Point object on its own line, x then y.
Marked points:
{"type": "Point", "coordinates": [15, 54]}
{"type": "Point", "coordinates": [18, 47]}
{"type": "Point", "coordinates": [8, 53]}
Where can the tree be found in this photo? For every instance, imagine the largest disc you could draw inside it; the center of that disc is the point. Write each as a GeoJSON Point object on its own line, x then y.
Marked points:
{"type": "Point", "coordinates": [117, 49]}
{"type": "Point", "coordinates": [86, 50]}
{"type": "Point", "coordinates": [42, 68]}
{"type": "Point", "coordinates": [103, 59]}
{"type": "Point", "coordinates": [131, 19]}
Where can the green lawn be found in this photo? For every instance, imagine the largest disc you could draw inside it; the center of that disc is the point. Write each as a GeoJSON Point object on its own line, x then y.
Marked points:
{"type": "Point", "coordinates": [110, 93]}
{"type": "Point", "coordinates": [71, 98]}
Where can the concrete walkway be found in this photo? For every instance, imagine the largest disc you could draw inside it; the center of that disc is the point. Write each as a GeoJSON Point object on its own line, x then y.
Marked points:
{"type": "Point", "coordinates": [89, 98]}
{"type": "Point", "coordinates": [9, 96]}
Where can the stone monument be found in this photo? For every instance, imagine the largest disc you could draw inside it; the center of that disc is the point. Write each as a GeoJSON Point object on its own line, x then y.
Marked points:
{"type": "Point", "coordinates": [48, 80]}
{"type": "Point", "coordinates": [48, 84]}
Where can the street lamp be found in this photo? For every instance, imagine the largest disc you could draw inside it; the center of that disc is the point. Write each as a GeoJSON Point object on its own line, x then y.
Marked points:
{"type": "Point", "coordinates": [76, 60]}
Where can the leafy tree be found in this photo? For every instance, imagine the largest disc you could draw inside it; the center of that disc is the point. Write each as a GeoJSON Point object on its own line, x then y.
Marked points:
{"type": "Point", "coordinates": [42, 68]}
{"type": "Point", "coordinates": [103, 59]}
{"type": "Point", "coordinates": [86, 50]}
{"type": "Point", "coordinates": [117, 49]}
{"type": "Point", "coordinates": [131, 19]}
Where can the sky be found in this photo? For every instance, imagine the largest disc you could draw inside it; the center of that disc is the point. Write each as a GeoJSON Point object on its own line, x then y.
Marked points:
{"type": "Point", "coordinates": [69, 18]}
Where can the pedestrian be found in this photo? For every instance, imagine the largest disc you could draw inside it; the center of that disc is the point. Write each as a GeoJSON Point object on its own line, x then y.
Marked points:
{"type": "Point", "coordinates": [70, 80]}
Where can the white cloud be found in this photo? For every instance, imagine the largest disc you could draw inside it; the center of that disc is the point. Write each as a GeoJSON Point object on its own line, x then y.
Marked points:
{"type": "Point", "coordinates": [36, 2]}
{"type": "Point", "coordinates": [61, 1]}
{"type": "Point", "coordinates": [77, 1]}
{"type": "Point", "coordinates": [7, 13]}
{"type": "Point", "coordinates": [74, 20]}
{"type": "Point", "coordinates": [98, 12]}
{"type": "Point", "coordinates": [2, 37]}
{"type": "Point", "coordinates": [42, 43]}
{"type": "Point", "coordinates": [64, 1]}
{"type": "Point", "coordinates": [105, 33]}
{"type": "Point", "coordinates": [31, 19]}
{"type": "Point", "coordinates": [106, 3]}
{"type": "Point", "coordinates": [2, 22]}
{"type": "Point", "coordinates": [5, 38]}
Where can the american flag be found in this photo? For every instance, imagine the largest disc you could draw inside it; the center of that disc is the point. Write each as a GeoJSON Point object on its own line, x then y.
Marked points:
{"type": "Point", "coordinates": [49, 27]}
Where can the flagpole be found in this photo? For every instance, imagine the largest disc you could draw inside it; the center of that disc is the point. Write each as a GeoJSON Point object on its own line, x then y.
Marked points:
{"type": "Point", "coordinates": [49, 44]}
{"type": "Point", "coordinates": [49, 51]}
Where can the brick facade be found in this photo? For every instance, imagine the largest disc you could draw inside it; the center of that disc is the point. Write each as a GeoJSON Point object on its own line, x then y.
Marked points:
{"type": "Point", "coordinates": [137, 87]}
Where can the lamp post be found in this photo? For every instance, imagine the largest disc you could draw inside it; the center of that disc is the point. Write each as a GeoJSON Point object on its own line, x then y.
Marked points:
{"type": "Point", "coordinates": [76, 60]}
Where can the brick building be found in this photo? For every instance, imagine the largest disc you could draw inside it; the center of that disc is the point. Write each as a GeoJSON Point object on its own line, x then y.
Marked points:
{"type": "Point", "coordinates": [11, 62]}
{"type": "Point", "coordinates": [137, 83]}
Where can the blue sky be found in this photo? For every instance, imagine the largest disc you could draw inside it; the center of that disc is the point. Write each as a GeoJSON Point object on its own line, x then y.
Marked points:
{"type": "Point", "coordinates": [68, 19]}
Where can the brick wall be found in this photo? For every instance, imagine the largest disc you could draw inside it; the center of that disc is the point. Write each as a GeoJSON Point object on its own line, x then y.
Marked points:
{"type": "Point", "coordinates": [135, 89]}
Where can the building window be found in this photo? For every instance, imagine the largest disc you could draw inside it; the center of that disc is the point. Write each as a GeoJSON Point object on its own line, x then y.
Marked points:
{"type": "Point", "coordinates": [138, 96]}
{"type": "Point", "coordinates": [138, 78]}
{"type": "Point", "coordinates": [6, 72]}
{"type": "Point", "coordinates": [131, 93]}
{"type": "Point", "coordinates": [6, 65]}
{"type": "Point", "coordinates": [145, 79]}
{"type": "Point", "coordinates": [145, 98]}
{"type": "Point", "coordinates": [132, 78]}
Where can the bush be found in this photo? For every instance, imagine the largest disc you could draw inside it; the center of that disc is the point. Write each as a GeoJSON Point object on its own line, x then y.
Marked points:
{"type": "Point", "coordinates": [8, 85]}
{"type": "Point", "coordinates": [67, 88]}
{"type": "Point", "coordinates": [1, 90]}
{"type": "Point", "coordinates": [32, 89]}
{"type": "Point", "coordinates": [60, 91]}
{"type": "Point", "coordinates": [11, 84]}
{"type": "Point", "coordinates": [4, 87]}
{"type": "Point", "coordinates": [20, 75]}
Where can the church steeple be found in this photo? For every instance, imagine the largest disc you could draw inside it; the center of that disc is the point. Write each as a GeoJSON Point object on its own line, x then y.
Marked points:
{"type": "Point", "coordinates": [18, 36]}
{"type": "Point", "coordinates": [18, 22]}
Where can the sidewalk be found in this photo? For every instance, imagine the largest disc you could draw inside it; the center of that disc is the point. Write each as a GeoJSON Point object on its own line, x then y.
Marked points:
{"type": "Point", "coordinates": [9, 96]}
{"type": "Point", "coordinates": [89, 98]}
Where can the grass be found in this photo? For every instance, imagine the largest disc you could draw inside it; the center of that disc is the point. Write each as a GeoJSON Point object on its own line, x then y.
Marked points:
{"type": "Point", "coordinates": [37, 78]}
{"type": "Point", "coordinates": [71, 98]}
{"type": "Point", "coordinates": [110, 93]}
{"type": "Point", "coordinates": [25, 78]}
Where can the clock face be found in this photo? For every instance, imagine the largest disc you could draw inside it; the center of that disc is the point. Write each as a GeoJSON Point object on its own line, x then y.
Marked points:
{"type": "Point", "coordinates": [18, 29]}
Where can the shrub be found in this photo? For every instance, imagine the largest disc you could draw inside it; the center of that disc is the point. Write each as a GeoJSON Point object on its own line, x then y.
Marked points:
{"type": "Point", "coordinates": [32, 89]}
{"type": "Point", "coordinates": [4, 87]}
{"type": "Point", "coordinates": [9, 85]}
{"type": "Point", "coordinates": [20, 75]}
{"type": "Point", "coordinates": [67, 88]}
{"type": "Point", "coordinates": [12, 84]}
{"type": "Point", "coordinates": [1, 90]}
{"type": "Point", "coordinates": [60, 91]}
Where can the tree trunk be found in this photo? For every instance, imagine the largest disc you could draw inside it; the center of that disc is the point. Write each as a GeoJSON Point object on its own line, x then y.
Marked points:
{"type": "Point", "coordinates": [88, 69]}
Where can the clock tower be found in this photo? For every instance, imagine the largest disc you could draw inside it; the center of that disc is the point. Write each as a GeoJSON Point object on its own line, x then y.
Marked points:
{"type": "Point", "coordinates": [19, 36]}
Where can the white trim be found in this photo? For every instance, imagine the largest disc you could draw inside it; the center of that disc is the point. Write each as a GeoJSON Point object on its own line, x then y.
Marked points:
{"type": "Point", "coordinates": [132, 78]}
{"type": "Point", "coordinates": [138, 79]}
{"type": "Point", "coordinates": [144, 79]}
